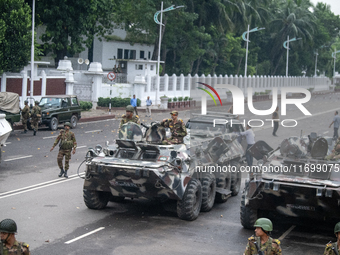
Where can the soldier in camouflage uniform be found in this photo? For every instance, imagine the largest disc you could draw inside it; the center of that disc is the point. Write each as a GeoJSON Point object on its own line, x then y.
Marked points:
{"type": "Point", "coordinates": [334, 248]}
{"type": "Point", "coordinates": [36, 115]}
{"type": "Point", "coordinates": [177, 128]}
{"type": "Point", "coordinates": [25, 115]}
{"type": "Point", "coordinates": [9, 245]}
{"type": "Point", "coordinates": [67, 142]}
{"type": "Point", "coordinates": [335, 155]}
{"type": "Point", "coordinates": [129, 116]}
{"type": "Point", "coordinates": [262, 241]}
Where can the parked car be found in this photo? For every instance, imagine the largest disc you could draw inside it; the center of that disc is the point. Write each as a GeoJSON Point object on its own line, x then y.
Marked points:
{"type": "Point", "coordinates": [59, 109]}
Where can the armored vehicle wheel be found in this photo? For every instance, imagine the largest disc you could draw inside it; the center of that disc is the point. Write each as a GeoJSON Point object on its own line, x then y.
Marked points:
{"type": "Point", "coordinates": [116, 199]}
{"type": "Point", "coordinates": [96, 199]}
{"type": "Point", "coordinates": [208, 193]}
{"type": "Point", "coordinates": [189, 207]}
{"type": "Point", "coordinates": [248, 215]}
{"type": "Point", "coordinates": [74, 121]}
{"type": "Point", "coordinates": [235, 179]}
{"type": "Point", "coordinates": [54, 123]}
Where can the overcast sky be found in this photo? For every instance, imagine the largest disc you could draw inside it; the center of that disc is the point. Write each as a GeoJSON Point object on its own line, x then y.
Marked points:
{"type": "Point", "coordinates": [335, 5]}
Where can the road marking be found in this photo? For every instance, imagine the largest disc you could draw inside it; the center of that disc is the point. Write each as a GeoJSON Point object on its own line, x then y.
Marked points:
{"type": "Point", "coordinates": [309, 244]}
{"type": "Point", "coordinates": [286, 233]}
{"type": "Point", "coordinates": [8, 143]}
{"type": "Point", "coordinates": [50, 137]}
{"type": "Point", "coordinates": [96, 121]}
{"type": "Point", "coordinates": [29, 156]}
{"type": "Point", "coordinates": [79, 147]}
{"type": "Point", "coordinates": [38, 186]}
{"type": "Point", "coordinates": [82, 236]}
{"type": "Point", "coordinates": [92, 131]}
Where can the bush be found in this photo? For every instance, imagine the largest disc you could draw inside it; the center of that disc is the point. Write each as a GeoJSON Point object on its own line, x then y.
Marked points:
{"type": "Point", "coordinates": [169, 100]}
{"type": "Point", "coordinates": [116, 102]}
{"type": "Point", "coordinates": [180, 99]}
{"type": "Point", "coordinates": [186, 98]}
{"type": "Point", "coordinates": [174, 99]}
{"type": "Point", "coordinates": [85, 106]}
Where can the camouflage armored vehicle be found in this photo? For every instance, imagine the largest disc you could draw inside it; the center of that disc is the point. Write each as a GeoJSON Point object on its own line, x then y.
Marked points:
{"type": "Point", "coordinates": [139, 166]}
{"type": "Point", "coordinates": [9, 105]}
{"type": "Point", "coordinates": [293, 180]}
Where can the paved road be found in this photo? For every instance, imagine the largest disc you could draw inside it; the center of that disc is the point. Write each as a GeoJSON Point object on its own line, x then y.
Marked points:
{"type": "Point", "coordinates": [53, 219]}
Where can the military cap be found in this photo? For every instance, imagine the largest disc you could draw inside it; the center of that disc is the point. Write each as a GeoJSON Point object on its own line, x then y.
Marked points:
{"type": "Point", "coordinates": [129, 108]}
{"type": "Point", "coordinates": [264, 223]}
{"type": "Point", "coordinates": [26, 101]}
{"type": "Point", "coordinates": [8, 226]}
{"type": "Point", "coordinates": [67, 124]}
{"type": "Point", "coordinates": [174, 113]}
{"type": "Point", "coordinates": [337, 228]}
{"type": "Point", "coordinates": [37, 102]}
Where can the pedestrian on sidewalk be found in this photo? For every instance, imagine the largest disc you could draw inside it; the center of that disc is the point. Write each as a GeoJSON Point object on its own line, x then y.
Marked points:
{"type": "Point", "coordinates": [250, 136]}
{"type": "Point", "coordinates": [133, 102]}
{"type": "Point", "coordinates": [148, 107]}
{"type": "Point", "coordinates": [336, 122]}
{"type": "Point", "coordinates": [276, 120]}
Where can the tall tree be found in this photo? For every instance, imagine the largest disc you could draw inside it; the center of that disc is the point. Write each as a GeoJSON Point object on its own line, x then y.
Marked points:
{"type": "Point", "coordinates": [15, 35]}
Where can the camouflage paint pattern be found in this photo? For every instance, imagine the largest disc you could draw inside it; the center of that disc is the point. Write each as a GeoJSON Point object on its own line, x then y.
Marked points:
{"type": "Point", "coordinates": [329, 249]}
{"type": "Point", "coordinates": [25, 116]}
{"type": "Point", "coordinates": [35, 120]}
{"type": "Point", "coordinates": [16, 249]}
{"type": "Point", "coordinates": [178, 131]}
{"type": "Point", "coordinates": [125, 120]}
{"type": "Point", "coordinates": [271, 247]}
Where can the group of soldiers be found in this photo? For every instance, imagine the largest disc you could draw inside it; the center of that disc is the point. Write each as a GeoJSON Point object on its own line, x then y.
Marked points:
{"type": "Point", "coordinates": [35, 115]}
{"type": "Point", "coordinates": [176, 125]}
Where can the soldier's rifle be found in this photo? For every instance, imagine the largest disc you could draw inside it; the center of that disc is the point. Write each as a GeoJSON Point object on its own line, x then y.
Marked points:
{"type": "Point", "coordinates": [259, 252]}
{"type": "Point", "coordinates": [335, 250]}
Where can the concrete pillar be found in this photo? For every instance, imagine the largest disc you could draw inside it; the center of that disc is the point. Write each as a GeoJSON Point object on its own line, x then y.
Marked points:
{"type": "Point", "coordinates": [43, 84]}
{"type": "Point", "coordinates": [69, 80]}
{"type": "Point", "coordinates": [23, 87]}
{"type": "Point", "coordinates": [3, 82]}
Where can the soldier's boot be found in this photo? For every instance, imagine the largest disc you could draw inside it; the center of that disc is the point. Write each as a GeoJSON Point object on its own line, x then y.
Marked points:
{"type": "Point", "coordinates": [25, 131]}
{"type": "Point", "coordinates": [61, 172]}
{"type": "Point", "coordinates": [34, 132]}
{"type": "Point", "coordinates": [65, 175]}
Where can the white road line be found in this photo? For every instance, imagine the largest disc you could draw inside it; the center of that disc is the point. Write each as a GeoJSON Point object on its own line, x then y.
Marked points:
{"type": "Point", "coordinates": [286, 233]}
{"type": "Point", "coordinates": [37, 186]}
{"type": "Point", "coordinates": [50, 137]}
{"type": "Point", "coordinates": [92, 131]}
{"type": "Point", "coordinates": [29, 156]}
{"type": "Point", "coordinates": [79, 147]}
{"type": "Point", "coordinates": [8, 143]}
{"type": "Point", "coordinates": [82, 236]}
{"type": "Point", "coordinates": [309, 244]}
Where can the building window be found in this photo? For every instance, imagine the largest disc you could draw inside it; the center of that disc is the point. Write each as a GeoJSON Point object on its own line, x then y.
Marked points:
{"type": "Point", "coordinates": [129, 54]}
{"type": "Point", "coordinates": [120, 53]}
{"type": "Point", "coordinates": [139, 67]}
{"type": "Point", "coordinates": [141, 54]}
{"type": "Point", "coordinates": [151, 67]}
{"type": "Point", "coordinates": [149, 55]}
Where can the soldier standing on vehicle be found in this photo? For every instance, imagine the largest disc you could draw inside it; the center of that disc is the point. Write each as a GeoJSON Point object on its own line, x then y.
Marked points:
{"type": "Point", "coordinates": [336, 122]}
{"type": "Point", "coordinates": [36, 115]}
{"type": "Point", "coordinates": [262, 243]}
{"type": "Point", "coordinates": [25, 115]}
{"type": "Point", "coordinates": [177, 128]}
{"type": "Point", "coordinates": [334, 248]}
{"type": "Point", "coordinates": [9, 245]}
{"type": "Point", "coordinates": [250, 136]}
{"type": "Point", "coordinates": [67, 142]}
{"type": "Point", "coordinates": [129, 117]}
{"type": "Point", "coordinates": [335, 155]}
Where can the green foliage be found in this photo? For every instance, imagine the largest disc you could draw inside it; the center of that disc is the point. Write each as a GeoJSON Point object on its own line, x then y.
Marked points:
{"type": "Point", "coordinates": [15, 35]}
{"type": "Point", "coordinates": [85, 106]}
{"type": "Point", "coordinates": [180, 99]}
{"type": "Point", "coordinates": [174, 99]}
{"type": "Point", "coordinates": [116, 102]}
{"type": "Point", "coordinates": [186, 98]}
{"type": "Point", "coordinates": [169, 100]}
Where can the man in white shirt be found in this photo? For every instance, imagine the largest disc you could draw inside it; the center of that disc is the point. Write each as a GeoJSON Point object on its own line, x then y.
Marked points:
{"type": "Point", "coordinates": [148, 107]}
{"type": "Point", "coordinates": [250, 136]}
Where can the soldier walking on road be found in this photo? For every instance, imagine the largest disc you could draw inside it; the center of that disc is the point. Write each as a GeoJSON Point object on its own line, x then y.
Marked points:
{"type": "Point", "coordinates": [9, 245]}
{"type": "Point", "coordinates": [177, 128]}
{"type": "Point", "coordinates": [25, 115]}
{"type": "Point", "coordinates": [334, 248]}
{"type": "Point", "coordinates": [262, 243]}
{"type": "Point", "coordinates": [36, 115]}
{"type": "Point", "coordinates": [67, 141]}
{"type": "Point", "coordinates": [276, 120]}
{"type": "Point", "coordinates": [128, 116]}
{"type": "Point", "coordinates": [336, 122]}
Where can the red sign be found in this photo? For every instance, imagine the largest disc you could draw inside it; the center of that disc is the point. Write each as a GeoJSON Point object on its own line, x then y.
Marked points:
{"type": "Point", "coordinates": [111, 76]}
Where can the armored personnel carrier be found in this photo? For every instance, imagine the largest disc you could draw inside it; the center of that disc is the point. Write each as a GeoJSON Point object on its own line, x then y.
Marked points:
{"type": "Point", "coordinates": [293, 180]}
{"type": "Point", "coordinates": [139, 166]}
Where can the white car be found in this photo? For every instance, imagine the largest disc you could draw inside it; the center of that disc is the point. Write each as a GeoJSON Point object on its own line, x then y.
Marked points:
{"type": "Point", "coordinates": [5, 130]}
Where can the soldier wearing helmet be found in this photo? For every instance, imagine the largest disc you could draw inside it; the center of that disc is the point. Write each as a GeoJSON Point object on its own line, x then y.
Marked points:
{"type": "Point", "coordinates": [67, 141]}
{"type": "Point", "coordinates": [129, 117]}
{"type": "Point", "coordinates": [25, 115]}
{"type": "Point", "coordinates": [262, 240]}
{"type": "Point", "coordinates": [334, 248]}
{"type": "Point", "coordinates": [177, 128]}
{"type": "Point", "coordinates": [9, 245]}
{"type": "Point", "coordinates": [36, 115]}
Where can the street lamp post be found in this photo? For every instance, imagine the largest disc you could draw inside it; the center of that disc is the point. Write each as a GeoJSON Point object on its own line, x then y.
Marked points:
{"type": "Point", "coordinates": [286, 46]}
{"type": "Point", "coordinates": [172, 7]}
{"type": "Point", "coordinates": [32, 53]}
{"type": "Point", "coordinates": [316, 61]}
{"type": "Point", "coordinates": [247, 40]}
